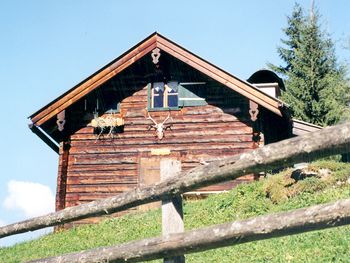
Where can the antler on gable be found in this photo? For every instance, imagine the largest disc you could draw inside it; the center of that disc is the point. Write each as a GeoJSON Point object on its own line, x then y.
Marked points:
{"type": "Point", "coordinates": [159, 127]}
{"type": "Point", "coordinates": [167, 118]}
{"type": "Point", "coordinates": [150, 118]}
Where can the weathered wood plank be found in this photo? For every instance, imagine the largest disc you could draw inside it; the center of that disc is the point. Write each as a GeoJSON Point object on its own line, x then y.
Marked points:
{"type": "Point", "coordinates": [194, 126]}
{"type": "Point", "coordinates": [110, 158]}
{"type": "Point", "coordinates": [84, 180]}
{"type": "Point", "coordinates": [103, 173]}
{"type": "Point", "coordinates": [219, 118]}
{"type": "Point", "coordinates": [110, 148]}
{"type": "Point", "coordinates": [168, 139]}
{"type": "Point", "coordinates": [94, 167]}
{"type": "Point", "coordinates": [89, 196]}
{"type": "Point", "coordinates": [100, 188]}
{"type": "Point", "coordinates": [179, 134]}
{"type": "Point", "coordinates": [107, 159]}
{"type": "Point", "coordinates": [237, 232]}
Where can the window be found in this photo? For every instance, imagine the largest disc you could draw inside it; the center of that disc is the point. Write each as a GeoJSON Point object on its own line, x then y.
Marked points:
{"type": "Point", "coordinates": [172, 95]}
{"type": "Point", "coordinates": [164, 96]}
{"type": "Point", "coordinates": [157, 96]}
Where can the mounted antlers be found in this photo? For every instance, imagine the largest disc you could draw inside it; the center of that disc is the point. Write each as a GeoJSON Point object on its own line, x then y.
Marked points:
{"type": "Point", "coordinates": [159, 127]}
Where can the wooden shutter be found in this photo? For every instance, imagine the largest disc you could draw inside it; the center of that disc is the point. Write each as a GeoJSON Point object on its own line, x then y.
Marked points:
{"type": "Point", "coordinates": [188, 98]}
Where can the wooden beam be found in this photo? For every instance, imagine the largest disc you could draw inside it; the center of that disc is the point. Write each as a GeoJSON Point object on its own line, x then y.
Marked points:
{"type": "Point", "coordinates": [172, 212]}
{"type": "Point", "coordinates": [263, 227]}
{"type": "Point", "coordinates": [308, 147]}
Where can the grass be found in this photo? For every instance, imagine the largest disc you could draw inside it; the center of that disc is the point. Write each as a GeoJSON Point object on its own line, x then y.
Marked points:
{"type": "Point", "coordinates": [275, 193]}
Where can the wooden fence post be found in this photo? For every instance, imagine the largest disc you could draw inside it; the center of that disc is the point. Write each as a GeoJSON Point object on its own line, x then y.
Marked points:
{"type": "Point", "coordinates": [172, 213]}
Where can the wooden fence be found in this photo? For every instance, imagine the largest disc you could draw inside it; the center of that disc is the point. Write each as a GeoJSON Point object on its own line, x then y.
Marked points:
{"type": "Point", "coordinates": [329, 141]}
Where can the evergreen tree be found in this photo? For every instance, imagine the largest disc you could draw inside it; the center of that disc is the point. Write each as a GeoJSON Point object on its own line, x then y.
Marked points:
{"type": "Point", "coordinates": [295, 23]}
{"type": "Point", "coordinates": [316, 86]}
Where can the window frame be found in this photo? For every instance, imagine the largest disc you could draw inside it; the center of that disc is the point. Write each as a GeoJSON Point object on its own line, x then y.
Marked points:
{"type": "Point", "coordinates": [150, 99]}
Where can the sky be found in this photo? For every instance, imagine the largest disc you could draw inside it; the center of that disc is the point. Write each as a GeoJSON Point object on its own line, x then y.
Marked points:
{"type": "Point", "coordinates": [47, 47]}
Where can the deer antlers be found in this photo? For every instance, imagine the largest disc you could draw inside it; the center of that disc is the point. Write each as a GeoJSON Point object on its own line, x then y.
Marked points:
{"type": "Point", "coordinates": [159, 127]}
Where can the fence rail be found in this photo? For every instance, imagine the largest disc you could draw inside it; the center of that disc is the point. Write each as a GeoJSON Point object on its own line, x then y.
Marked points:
{"type": "Point", "coordinates": [329, 141]}
{"type": "Point", "coordinates": [238, 232]}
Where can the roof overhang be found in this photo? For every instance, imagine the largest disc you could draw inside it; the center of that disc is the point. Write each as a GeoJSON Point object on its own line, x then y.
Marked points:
{"type": "Point", "coordinates": [155, 40]}
{"type": "Point", "coordinates": [302, 127]}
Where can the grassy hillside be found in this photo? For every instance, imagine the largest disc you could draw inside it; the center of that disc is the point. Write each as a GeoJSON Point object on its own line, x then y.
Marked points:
{"type": "Point", "coordinates": [322, 182]}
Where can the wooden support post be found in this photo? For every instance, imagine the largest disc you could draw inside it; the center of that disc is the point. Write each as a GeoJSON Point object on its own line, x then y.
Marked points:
{"type": "Point", "coordinates": [62, 176]}
{"type": "Point", "coordinates": [172, 213]}
{"type": "Point", "coordinates": [62, 179]}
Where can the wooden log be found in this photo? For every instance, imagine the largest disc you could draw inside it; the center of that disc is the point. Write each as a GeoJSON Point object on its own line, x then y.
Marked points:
{"type": "Point", "coordinates": [142, 127]}
{"type": "Point", "coordinates": [172, 212]}
{"type": "Point", "coordinates": [97, 179]}
{"type": "Point", "coordinates": [232, 233]}
{"type": "Point", "coordinates": [101, 168]}
{"type": "Point", "coordinates": [173, 141]}
{"type": "Point", "coordinates": [241, 134]}
{"type": "Point", "coordinates": [187, 147]}
{"type": "Point", "coordinates": [298, 149]}
{"type": "Point", "coordinates": [100, 188]}
{"type": "Point", "coordinates": [196, 151]}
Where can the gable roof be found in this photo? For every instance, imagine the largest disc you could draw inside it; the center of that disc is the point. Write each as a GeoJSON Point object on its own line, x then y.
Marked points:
{"type": "Point", "coordinates": [155, 40]}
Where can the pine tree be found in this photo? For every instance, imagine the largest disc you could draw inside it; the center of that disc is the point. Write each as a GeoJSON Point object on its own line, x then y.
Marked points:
{"type": "Point", "coordinates": [316, 86]}
{"type": "Point", "coordinates": [287, 54]}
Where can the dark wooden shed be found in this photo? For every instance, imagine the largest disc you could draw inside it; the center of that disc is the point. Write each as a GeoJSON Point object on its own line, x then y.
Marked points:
{"type": "Point", "coordinates": [105, 128]}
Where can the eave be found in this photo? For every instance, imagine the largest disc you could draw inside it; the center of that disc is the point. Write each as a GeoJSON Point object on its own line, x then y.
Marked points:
{"type": "Point", "coordinates": [302, 127]}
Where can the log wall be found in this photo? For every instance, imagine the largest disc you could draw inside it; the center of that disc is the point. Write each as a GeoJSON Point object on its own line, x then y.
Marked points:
{"type": "Point", "coordinates": [108, 166]}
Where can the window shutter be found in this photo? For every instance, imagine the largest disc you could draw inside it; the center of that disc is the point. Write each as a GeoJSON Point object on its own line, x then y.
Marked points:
{"type": "Point", "coordinates": [188, 98]}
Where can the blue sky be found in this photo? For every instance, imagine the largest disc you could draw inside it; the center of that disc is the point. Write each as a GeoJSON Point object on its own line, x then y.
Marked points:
{"type": "Point", "coordinates": [47, 47]}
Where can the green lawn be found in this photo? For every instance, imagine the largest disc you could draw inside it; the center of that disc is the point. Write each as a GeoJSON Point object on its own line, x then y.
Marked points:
{"type": "Point", "coordinates": [276, 193]}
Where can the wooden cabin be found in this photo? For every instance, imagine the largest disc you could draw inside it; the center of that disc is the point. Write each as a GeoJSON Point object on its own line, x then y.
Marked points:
{"type": "Point", "coordinates": [157, 100]}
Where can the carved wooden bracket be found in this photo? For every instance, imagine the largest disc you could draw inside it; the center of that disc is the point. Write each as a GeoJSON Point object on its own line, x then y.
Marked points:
{"type": "Point", "coordinates": [61, 120]}
{"type": "Point", "coordinates": [155, 55]}
{"type": "Point", "coordinates": [253, 110]}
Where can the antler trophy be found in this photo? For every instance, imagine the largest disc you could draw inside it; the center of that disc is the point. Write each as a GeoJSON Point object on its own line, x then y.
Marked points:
{"type": "Point", "coordinates": [159, 127]}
